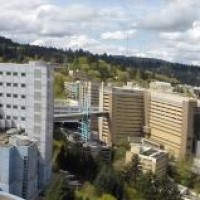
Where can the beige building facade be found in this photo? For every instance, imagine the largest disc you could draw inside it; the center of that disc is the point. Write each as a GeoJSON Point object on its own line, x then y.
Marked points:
{"type": "Point", "coordinates": [166, 119]}
{"type": "Point", "coordinates": [151, 159]}
{"type": "Point", "coordinates": [126, 114]}
{"type": "Point", "coordinates": [169, 121]}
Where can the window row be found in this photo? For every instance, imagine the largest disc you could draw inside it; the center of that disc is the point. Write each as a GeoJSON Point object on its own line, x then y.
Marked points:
{"type": "Point", "coordinates": [13, 73]}
{"type": "Point", "coordinates": [23, 96]}
{"type": "Point", "coordinates": [14, 106]}
{"type": "Point", "coordinates": [13, 118]}
{"type": "Point", "coordinates": [23, 85]}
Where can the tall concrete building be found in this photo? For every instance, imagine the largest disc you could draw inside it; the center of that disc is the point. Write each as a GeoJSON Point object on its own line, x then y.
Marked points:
{"type": "Point", "coordinates": [26, 102]}
{"type": "Point", "coordinates": [169, 121]}
{"type": "Point", "coordinates": [126, 114]}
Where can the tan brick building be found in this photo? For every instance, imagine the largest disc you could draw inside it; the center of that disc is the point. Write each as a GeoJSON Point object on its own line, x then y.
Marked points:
{"type": "Point", "coordinates": [169, 121]}
{"type": "Point", "coordinates": [126, 114]}
{"type": "Point", "coordinates": [151, 159]}
{"type": "Point", "coordinates": [166, 119]}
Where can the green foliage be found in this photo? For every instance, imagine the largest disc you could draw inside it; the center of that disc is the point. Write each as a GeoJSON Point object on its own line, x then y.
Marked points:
{"type": "Point", "coordinates": [109, 181]}
{"type": "Point", "coordinates": [145, 69]}
{"type": "Point", "coordinates": [131, 193]}
{"type": "Point", "coordinates": [184, 174]}
{"type": "Point", "coordinates": [59, 91]}
{"type": "Point", "coordinates": [107, 197]}
{"type": "Point", "coordinates": [59, 189]}
{"type": "Point", "coordinates": [88, 191]}
{"type": "Point", "coordinates": [78, 161]}
{"type": "Point", "coordinates": [132, 170]}
{"type": "Point", "coordinates": [153, 188]}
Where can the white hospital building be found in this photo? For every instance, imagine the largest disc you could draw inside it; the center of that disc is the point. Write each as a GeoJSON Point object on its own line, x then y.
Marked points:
{"type": "Point", "coordinates": [26, 106]}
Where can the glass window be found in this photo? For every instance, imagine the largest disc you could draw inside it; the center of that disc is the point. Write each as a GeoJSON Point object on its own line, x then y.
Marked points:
{"type": "Point", "coordinates": [23, 96]}
{"type": "Point", "coordinates": [8, 106]}
{"type": "Point", "coordinates": [23, 118]}
{"type": "Point", "coordinates": [8, 95]}
{"type": "Point", "coordinates": [1, 94]}
{"type": "Point", "coordinates": [23, 107]}
{"type": "Point", "coordinates": [15, 95]}
{"type": "Point", "coordinates": [8, 84]}
{"type": "Point", "coordinates": [15, 106]}
{"type": "Point", "coordinates": [15, 74]}
{"type": "Point", "coordinates": [8, 117]}
{"type": "Point", "coordinates": [23, 85]}
{"type": "Point", "coordinates": [15, 118]}
{"type": "Point", "coordinates": [8, 73]}
{"type": "Point", "coordinates": [23, 74]}
{"type": "Point", "coordinates": [15, 84]}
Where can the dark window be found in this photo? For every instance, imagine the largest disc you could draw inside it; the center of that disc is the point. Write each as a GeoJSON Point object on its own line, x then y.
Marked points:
{"type": "Point", "coordinates": [23, 74]}
{"type": "Point", "coordinates": [8, 73]}
{"type": "Point", "coordinates": [15, 74]}
{"type": "Point", "coordinates": [23, 96]}
{"type": "Point", "coordinates": [8, 106]}
{"type": "Point", "coordinates": [15, 95]}
{"type": "Point", "coordinates": [15, 106]}
{"type": "Point", "coordinates": [15, 118]}
{"type": "Point", "coordinates": [1, 94]}
{"type": "Point", "coordinates": [8, 84]}
{"type": "Point", "coordinates": [23, 107]}
{"type": "Point", "coordinates": [8, 117]}
{"type": "Point", "coordinates": [8, 95]}
{"type": "Point", "coordinates": [23, 85]}
{"type": "Point", "coordinates": [15, 84]}
{"type": "Point", "coordinates": [22, 118]}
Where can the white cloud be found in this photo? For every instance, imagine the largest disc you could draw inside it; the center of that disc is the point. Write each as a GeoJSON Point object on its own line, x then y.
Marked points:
{"type": "Point", "coordinates": [118, 35]}
{"type": "Point", "coordinates": [99, 28]}
{"type": "Point", "coordinates": [74, 42]}
{"type": "Point", "coordinates": [175, 15]}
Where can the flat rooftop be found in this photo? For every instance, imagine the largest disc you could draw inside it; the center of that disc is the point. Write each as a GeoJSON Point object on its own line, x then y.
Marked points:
{"type": "Point", "coordinates": [154, 153]}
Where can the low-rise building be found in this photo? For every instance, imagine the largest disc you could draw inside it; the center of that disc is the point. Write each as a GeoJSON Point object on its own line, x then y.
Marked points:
{"type": "Point", "coordinates": [151, 159]}
{"type": "Point", "coordinates": [19, 162]}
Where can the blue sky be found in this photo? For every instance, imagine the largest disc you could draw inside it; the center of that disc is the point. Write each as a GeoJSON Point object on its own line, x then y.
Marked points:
{"type": "Point", "coordinates": [164, 29]}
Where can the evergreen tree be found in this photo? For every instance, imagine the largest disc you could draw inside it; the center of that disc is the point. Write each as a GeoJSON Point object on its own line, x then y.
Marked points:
{"type": "Point", "coordinates": [132, 170]}
{"type": "Point", "coordinates": [60, 190]}
{"type": "Point", "coordinates": [109, 181]}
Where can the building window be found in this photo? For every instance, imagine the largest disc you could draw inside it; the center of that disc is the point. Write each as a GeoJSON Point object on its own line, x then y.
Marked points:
{"type": "Point", "coordinates": [8, 106]}
{"type": "Point", "coordinates": [15, 106]}
{"type": "Point", "coordinates": [1, 84]}
{"type": "Point", "coordinates": [8, 117]}
{"type": "Point", "coordinates": [15, 84]}
{"type": "Point", "coordinates": [8, 84]}
{"type": "Point", "coordinates": [15, 95]}
{"type": "Point", "coordinates": [23, 107]}
{"type": "Point", "coordinates": [23, 96]}
{"type": "Point", "coordinates": [15, 118]}
{"type": "Point", "coordinates": [23, 118]}
{"type": "Point", "coordinates": [8, 73]}
{"type": "Point", "coordinates": [8, 95]}
{"type": "Point", "coordinates": [23, 85]}
{"type": "Point", "coordinates": [23, 74]}
{"type": "Point", "coordinates": [15, 74]}
{"type": "Point", "coordinates": [1, 94]}
{"type": "Point", "coordinates": [1, 73]}
{"type": "Point", "coordinates": [1, 105]}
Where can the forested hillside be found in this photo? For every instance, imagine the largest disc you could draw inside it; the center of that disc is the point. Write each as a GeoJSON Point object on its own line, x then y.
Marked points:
{"type": "Point", "coordinates": [105, 67]}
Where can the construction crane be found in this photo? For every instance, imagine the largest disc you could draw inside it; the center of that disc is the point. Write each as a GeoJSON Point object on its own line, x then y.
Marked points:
{"type": "Point", "coordinates": [85, 129]}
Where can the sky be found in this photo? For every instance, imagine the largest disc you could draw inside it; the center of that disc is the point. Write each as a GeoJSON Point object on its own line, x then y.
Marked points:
{"type": "Point", "coordinates": [164, 29]}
